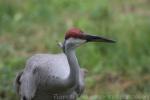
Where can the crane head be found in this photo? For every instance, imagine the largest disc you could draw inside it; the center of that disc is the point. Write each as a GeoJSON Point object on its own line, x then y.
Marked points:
{"type": "Point", "coordinates": [75, 37]}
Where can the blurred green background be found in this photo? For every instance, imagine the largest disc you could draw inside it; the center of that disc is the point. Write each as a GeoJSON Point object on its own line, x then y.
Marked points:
{"type": "Point", "coordinates": [118, 70]}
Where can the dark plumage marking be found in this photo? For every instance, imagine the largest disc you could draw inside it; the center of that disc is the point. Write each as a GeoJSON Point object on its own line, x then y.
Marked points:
{"type": "Point", "coordinates": [18, 78]}
{"type": "Point", "coordinates": [35, 70]}
{"type": "Point", "coordinates": [55, 77]}
{"type": "Point", "coordinates": [24, 98]}
{"type": "Point", "coordinates": [18, 82]}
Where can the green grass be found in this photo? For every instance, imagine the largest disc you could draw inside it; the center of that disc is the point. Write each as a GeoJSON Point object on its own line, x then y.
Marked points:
{"type": "Point", "coordinates": [33, 26]}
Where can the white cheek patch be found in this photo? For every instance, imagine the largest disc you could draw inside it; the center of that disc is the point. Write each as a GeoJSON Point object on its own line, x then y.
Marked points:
{"type": "Point", "coordinates": [72, 43]}
{"type": "Point", "coordinates": [75, 41]}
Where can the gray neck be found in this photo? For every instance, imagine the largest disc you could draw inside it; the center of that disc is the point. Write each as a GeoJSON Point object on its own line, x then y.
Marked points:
{"type": "Point", "coordinates": [73, 78]}
{"type": "Point", "coordinates": [74, 67]}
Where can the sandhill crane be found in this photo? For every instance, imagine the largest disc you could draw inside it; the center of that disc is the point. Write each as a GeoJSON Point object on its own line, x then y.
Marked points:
{"type": "Point", "coordinates": [56, 76]}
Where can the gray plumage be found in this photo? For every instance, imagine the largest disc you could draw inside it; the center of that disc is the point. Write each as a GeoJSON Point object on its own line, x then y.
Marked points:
{"type": "Point", "coordinates": [55, 76]}
{"type": "Point", "coordinates": [41, 72]}
{"type": "Point", "coordinates": [50, 76]}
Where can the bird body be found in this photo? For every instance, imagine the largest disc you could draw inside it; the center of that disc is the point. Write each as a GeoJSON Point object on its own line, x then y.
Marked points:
{"type": "Point", "coordinates": [55, 65]}
{"type": "Point", "coordinates": [55, 76]}
{"type": "Point", "coordinates": [41, 74]}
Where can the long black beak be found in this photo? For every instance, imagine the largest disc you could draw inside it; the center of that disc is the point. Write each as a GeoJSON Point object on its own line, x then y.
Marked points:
{"type": "Point", "coordinates": [92, 38]}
